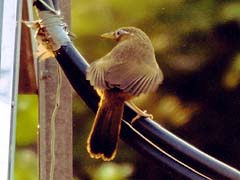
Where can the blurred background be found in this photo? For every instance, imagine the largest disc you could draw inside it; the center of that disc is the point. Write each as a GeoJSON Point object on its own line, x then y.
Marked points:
{"type": "Point", "coordinates": [197, 46]}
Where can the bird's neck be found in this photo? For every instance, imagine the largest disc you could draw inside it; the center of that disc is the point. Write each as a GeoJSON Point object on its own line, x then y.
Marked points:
{"type": "Point", "coordinates": [132, 49]}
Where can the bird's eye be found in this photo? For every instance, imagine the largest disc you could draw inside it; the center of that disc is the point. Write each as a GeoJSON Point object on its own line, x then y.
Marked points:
{"type": "Point", "coordinates": [118, 33]}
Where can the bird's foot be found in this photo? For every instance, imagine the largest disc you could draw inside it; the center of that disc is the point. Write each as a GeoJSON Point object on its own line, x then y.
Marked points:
{"type": "Point", "coordinates": [141, 114]}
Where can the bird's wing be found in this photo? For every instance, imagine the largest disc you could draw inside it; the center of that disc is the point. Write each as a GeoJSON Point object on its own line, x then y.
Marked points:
{"type": "Point", "coordinates": [134, 77]}
{"type": "Point", "coordinates": [96, 72]}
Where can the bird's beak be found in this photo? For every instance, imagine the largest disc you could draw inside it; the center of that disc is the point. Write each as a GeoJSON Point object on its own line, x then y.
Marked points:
{"type": "Point", "coordinates": [109, 35]}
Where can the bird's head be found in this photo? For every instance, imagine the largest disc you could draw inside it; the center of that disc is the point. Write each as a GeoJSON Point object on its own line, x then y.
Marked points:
{"type": "Point", "coordinates": [124, 33]}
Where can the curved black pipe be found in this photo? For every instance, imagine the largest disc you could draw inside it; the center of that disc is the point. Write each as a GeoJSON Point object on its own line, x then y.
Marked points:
{"type": "Point", "coordinates": [74, 66]}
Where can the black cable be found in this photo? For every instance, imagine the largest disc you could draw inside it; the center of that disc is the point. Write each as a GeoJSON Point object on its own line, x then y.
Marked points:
{"type": "Point", "coordinates": [74, 66]}
{"type": "Point", "coordinates": [41, 7]}
{"type": "Point", "coordinates": [55, 4]}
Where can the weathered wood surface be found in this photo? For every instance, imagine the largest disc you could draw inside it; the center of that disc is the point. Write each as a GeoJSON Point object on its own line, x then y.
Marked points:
{"type": "Point", "coordinates": [48, 82]}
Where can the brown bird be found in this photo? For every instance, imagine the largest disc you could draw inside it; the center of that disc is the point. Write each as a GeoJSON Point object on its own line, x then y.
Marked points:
{"type": "Point", "coordinates": [128, 70]}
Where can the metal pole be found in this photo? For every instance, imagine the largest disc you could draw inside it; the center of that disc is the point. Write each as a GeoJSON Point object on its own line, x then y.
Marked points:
{"type": "Point", "coordinates": [9, 47]}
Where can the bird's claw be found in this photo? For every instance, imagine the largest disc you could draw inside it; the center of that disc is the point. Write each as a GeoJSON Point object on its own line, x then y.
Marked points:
{"type": "Point", "coordinates": [142, 114]}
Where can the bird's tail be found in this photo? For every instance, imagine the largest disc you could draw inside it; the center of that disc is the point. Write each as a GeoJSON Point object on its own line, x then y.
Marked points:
{"type": "Point", "coordinates": [103, 139]}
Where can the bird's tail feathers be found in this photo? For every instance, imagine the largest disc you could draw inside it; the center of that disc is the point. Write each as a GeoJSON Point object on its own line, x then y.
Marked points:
{"type": "Point", "coordinates": [103, 139]}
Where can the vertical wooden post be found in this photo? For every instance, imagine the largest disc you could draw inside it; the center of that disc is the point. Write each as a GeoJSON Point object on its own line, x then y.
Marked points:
{"type": "Point", "coordinates": [58, 164]}
{"type": "Point", "coordinates": [27, 75]}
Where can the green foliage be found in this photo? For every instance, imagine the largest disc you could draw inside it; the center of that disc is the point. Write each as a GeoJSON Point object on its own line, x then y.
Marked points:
{"type": "Point", "coordinates": [112, 171]}
{"type": "Point", "coordinates": [27, 120]}
{"type": "Point", "coordinates": [231, 10]}
{"type": "Point", "coordinates": [25, 165]}
{"type": "Point", "coordinates": [26, 136]}
{"type": "Point", "coordinates": [165, 21]}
